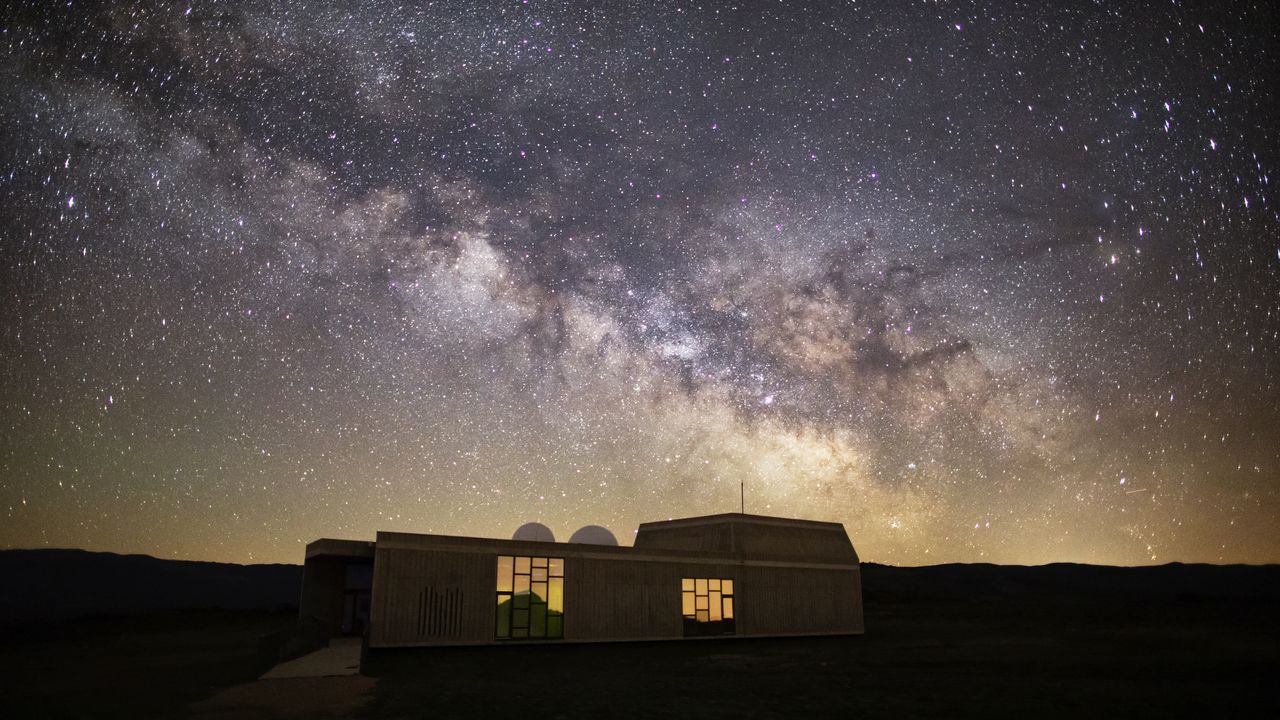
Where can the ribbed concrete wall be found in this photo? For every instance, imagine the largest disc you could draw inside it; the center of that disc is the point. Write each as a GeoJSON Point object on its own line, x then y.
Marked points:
{"type": "Point", "coordinates": [798, 601]}
{"type": "Point", "coordinates": [423, 597]}
{"type": "Point", "coordinates": [431, 590]}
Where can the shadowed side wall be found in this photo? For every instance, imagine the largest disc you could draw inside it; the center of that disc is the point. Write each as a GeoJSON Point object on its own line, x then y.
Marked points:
{"type": "Point", "coordinates": [324, 579]}
{"type": "Point", "coordinates": [322, 586]}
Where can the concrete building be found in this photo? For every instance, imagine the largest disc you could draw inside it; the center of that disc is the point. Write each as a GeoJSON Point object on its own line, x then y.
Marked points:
{"type": "Point", "coordinates": [719, 575]}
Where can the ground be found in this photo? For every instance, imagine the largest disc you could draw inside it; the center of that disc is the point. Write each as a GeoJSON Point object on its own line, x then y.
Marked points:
{"type": "Point", "coordinates": [1012, 655]}
{"type": "Point", "coordinates": [913, 661]}
{"type": "Point", "coordinates": [144, 666]}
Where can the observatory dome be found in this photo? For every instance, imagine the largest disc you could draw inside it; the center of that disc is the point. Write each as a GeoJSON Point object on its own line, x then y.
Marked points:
{"type": "Point", "coordinates": [535, 532]}
{"type": "Point", "coordinates": [593, 535]}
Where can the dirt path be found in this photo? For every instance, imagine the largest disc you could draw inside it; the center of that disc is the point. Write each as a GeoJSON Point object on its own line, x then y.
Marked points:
{"type": "Point", "coordinates": [288, 699]}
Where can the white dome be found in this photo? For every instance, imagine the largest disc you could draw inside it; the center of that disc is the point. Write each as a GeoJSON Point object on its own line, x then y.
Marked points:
{"type": "Point", "coordinates": [593, 535]}
{"type": "Point", "coordinates": [534, 531]}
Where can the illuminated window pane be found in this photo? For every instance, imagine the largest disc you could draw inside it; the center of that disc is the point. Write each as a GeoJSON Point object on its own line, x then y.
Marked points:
{"type": "Point", "coordinates": [504, 616]}
{"type": "Point", "coordinates": [522, 565]}
{"type": "Point", "coordinates": [505, 564]}
{"type": "Point", "coordinates": [539, 562]}
{"type": "Point", "coordinates": [522, 584]}
{"type": "Point", "coordinates": [539, 574]}
{"type": "Point", "coordinates": [557, 567]}
{"type": "Point", "coordinates": [538, 621]}
{"type": "Point", "coordinates": [539, 591]}
{"type": "Point", "coordinates": [707, 606]}
{"type": "Point", "coordinates": [555, 595]}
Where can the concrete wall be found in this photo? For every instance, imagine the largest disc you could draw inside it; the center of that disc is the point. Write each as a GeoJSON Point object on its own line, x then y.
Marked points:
{"type": "Point", "coordinates": [799, 601]}
{"type": "Point", "coordinates": [429, 590]}
{"type": "Point", "coordinates": [322, 585]}
{"type": "Point", "coordinates": [428, 597]}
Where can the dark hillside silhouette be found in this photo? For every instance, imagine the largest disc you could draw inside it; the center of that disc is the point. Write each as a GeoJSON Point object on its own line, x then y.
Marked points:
{"type": "Point", "coordinates": [943, 641]}
{"type": "Point", "coordinates": [1071, 583]}
{"type": "Point", "coordinates": [42, 585]}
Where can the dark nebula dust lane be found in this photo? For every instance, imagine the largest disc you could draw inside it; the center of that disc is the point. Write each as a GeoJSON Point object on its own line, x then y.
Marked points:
{"type": "Point", "coordinates": [984, 281]}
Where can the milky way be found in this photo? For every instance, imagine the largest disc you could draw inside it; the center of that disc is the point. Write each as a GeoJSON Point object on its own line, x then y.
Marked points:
{"type": "Point", "coordinates": [983, 281]}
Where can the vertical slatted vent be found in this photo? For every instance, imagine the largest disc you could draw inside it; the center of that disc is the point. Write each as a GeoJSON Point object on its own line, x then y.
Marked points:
{"type": "Point", "coordinates": [440, 613]}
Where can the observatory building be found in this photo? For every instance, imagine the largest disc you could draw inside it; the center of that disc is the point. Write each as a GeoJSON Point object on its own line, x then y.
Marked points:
{"type": "Point", "coordinates": [719, 575]}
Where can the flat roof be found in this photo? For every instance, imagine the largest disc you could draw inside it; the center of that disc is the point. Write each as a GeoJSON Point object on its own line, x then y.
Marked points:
{"type": "Point", "coordinates": [330, 547]}
{"type": "Point", "coordinates": [742, 517]}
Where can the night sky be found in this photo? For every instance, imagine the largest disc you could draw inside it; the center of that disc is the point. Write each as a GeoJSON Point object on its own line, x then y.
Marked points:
{"type": "Point", "coordinates": [983, 281]}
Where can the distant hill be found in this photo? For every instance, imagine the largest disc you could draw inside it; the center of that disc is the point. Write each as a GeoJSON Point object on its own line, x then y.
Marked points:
{"type": "Point", "coordinates": [40, 585]}
{"type": "Point", "coordinates": [1069, 582]}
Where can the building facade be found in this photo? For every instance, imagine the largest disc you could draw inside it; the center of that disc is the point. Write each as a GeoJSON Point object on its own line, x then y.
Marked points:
{"type": "Point", "coordinates": [719, 575]}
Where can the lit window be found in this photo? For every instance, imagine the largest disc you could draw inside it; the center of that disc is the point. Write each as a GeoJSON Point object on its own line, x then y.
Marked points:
{"type": "Point", "coordinates": [530, 592]}
{"type": "Point", "coordinates": [707, 606]}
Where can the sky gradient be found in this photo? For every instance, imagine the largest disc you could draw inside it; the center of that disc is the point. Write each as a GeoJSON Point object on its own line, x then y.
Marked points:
{"type": "Point", "coordinates": [986, 282]}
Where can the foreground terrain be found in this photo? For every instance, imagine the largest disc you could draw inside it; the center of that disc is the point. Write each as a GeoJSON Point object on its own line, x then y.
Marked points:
{"type": "Point", "coordinates": [948, 641]}
{"type": "Point", "coordinates": [965, 659]}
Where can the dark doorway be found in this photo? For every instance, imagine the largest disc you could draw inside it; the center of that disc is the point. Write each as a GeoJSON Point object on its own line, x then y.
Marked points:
{"type": "Point", "coordinates": [356, 591]}
{"type": "Point", "coordinates": [355, 612]}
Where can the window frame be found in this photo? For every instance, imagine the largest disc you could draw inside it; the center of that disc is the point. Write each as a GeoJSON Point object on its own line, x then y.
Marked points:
{"type": "Point", "coordinates": [528, 590]}
{"type": "Point", "coordinates": [708, 605]}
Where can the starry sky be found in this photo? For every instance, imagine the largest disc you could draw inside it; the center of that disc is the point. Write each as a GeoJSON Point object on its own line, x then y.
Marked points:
{"type": "Point", "coordinates": [984, 281]}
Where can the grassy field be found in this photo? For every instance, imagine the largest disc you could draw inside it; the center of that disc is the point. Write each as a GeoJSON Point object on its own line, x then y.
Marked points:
{"type": "Point", "coordinates": [129, 667]}
{"type": "Point", "coordinates": [1021, 652]}
{"type": "Point", "coordinates": [1195, 660]}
